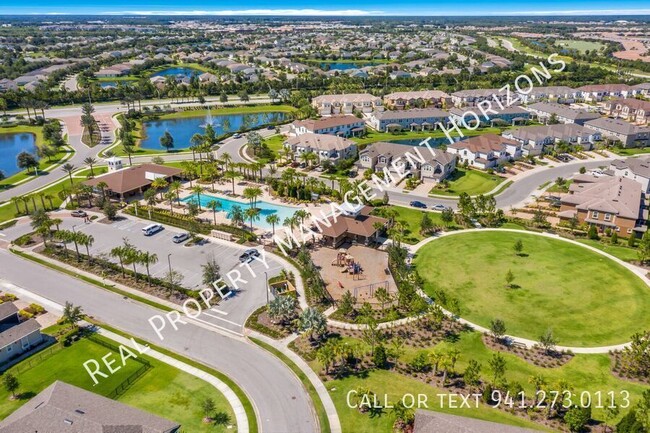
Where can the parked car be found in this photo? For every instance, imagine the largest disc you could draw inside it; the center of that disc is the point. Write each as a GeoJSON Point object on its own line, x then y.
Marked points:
{"type": "Point", "coordinates": [79, 213]}
{"type": "Point", "coordinates": [439, 207]}
{"type": "Point", "coordinates": [270, 127]}
{"type": "Point", "coordinates": [152, 229]}
{"type": "Point", "coordinates": [476, 224]}
{"type": "Point", "coordinates": [248, 255]}
{"type": "Point", "coordinates": [237, 135]}
{"type": "Point", "coordinates": [181, 237]}
{"type": "Point", "coordinates": [418, 204]}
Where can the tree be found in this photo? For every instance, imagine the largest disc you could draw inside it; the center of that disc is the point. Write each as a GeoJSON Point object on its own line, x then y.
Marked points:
{"type": "Point", "coordinates": [110, 211]}
{"type": "Point", "coordinates": [383, 296]}
{"type": "Point", "coordinates": [548, 341]}
{"type": "Point", "coordinates": [510, 278]}
{"type": "Point", "coordinates": [614, 238]}
{"type": "Point", "coordinates": [576, 418]}
{"type": "Point", "coordinates": [518, 247]}
{"type": "Point", "coordinates": [90, 162]}
{"type": "Point", "coordinates": [313, 322]}
{"type": "Point", "coordinates": [26, 161]}
{"type": "Point", "coordinates": [11, 384]}
{"type": "Point", "coordinates": [472, 375]}
{"type": "Point", "coordinates": [72, 314]}
{"type": "Point", "coordinates": [497, 366]}
{"type": "Point", "coordinates": [167, 141]}
{"type": "Point", "coordinates": [346, 304]}
{"type": "Point", "coordinates": [252, 214]}
{"type": "Point", "coordinates": [147, 259]}
{"type": "Point", "coordinates": [213, 205]}
{"type": "Point", "coordinates": [592, 233]}
{"type": "Point", "coordinates": [282, 309]}
{"type": "Point", "coordinates": [69, 168]}
{"type": "Point", "coordinates": [273, 219]}
{"type": "Point", "coordinates": [208, 407]}
{"type": "Point", "coordinates": [498, 329]}
{"type": "Point", "coordinates": [379, 357]}
{"type": "Point", "coordinates": [447, 215]}
{"type": "Point", "coordinates": [426, 225]}
{"type": "Point", "coordinates": [210, 271]}
{"type": "Point", "coordinates": [326, 355]}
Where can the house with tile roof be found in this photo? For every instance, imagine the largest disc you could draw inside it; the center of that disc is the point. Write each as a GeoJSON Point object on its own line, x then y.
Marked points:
{"type": "Point", "coordinates": [343, 125]}
{"type": "Point", "coordinates": [485, 151]}
{"type": "Point", "coordinates": [325, 146]}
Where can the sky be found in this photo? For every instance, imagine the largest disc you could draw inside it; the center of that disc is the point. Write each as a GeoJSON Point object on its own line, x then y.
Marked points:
{"type": "Point", "coordinates": [328, 7]}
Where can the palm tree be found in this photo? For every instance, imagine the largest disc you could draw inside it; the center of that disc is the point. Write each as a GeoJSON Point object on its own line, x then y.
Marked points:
{"type": "Point", "coordinates": [87, 241]}
{"type": "Point", "coordinates": [176, 186]}
{"type": "Point", "coordinates": [302, 214]}
{"type": "Point", "coordinates": [131, 257]}
{"type": "Point", "coordinates": [196, 141]}
{"type": "Point", "coordinates": [90, 162]}
{"type": "Point", "coordinates": [147, 259]}
{"type": "Point", "coordinates": [253, 214]}
{"type": "Point", "coordinates": [69, 168]}
{"type": "Point", "coordinates": [214, 205]}
{"type": "Point", "coordinates": [49, 198]}
{"type": "Point", "coordinates": [290, 222]}
{"type": "Point", "coordinates": [236, 215]}
{"type": "Point", "coordinates": [170, 197]}
{"type": "Point", "coordinates": [159, 184]}
{"type": "Point", "coordinates": [198, 190]}
{"type": "Point", "coordinates": [252, 194]}
{"type": "Point", "coordinates": [231, 174]}
{"type": "Point", "coordinates": [273, 219]}
{"type": "Point", "coordinates": [129, 150]}
{"type": "Point", "coordinates": [226, 158]}
{"type": "Point", "coordinates": [120, 254]}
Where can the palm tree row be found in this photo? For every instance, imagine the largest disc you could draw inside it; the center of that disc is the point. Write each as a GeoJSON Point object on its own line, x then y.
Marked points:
{"type": "Point", "coordinates": [127, 254]}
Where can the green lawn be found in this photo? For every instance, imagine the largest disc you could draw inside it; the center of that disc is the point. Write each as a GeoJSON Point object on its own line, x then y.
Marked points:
{"type": "Point", "coordinates": [620, 251]}
{"type": "Point", "coordinates": [411, 219]}
{"type": "Point", "coordinates": [560, 188]}
{"type": "Point", "coordinates": [630, 151]}
{"type": "Point", "coordinates": [472, 182]}
{"type": "Point", "coordinates": [163, 390]}
{"type": "Point", "coordinates": [587, 299]}
{"type": "Point", "coordinates": [579, 45]}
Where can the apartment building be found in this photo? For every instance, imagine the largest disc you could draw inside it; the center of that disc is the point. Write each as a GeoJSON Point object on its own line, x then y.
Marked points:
{"type": "Point", "coordinates": [412, 119]}
{"type": "Point", "coordinates": [417, 99]}
{"type": "Point", "coordinates": [509, 115]}
{"type": "Point", "coordinates": [559, 94]}
{"type": "Point", "coordinates": [327, 105]}
{"type": "Point", "coordinates": [616, 129]}
{"type": "Point", "coordinates": [535, 138]}
{"type": "Point", "coordinates": [544, 112]}
{"type": "Point", "coordinates": [598, 92]}
{"type": "Point", "coordinates": [345, 125]}
{"type": "Point", "coordinates": [632, 110]}
{"type": "Point", "coordinates": [325, 146]}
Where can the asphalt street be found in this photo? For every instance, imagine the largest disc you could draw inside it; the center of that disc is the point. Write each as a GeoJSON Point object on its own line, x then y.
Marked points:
{"type": "Point", "coordinates": [280, 400]}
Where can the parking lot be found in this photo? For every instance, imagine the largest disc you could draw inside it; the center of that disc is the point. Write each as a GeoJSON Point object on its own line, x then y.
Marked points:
{"type": "Point", "coordinates": [229, 314]}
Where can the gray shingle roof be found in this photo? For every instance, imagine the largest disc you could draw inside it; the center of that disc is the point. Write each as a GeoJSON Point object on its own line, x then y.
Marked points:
{"type": "Point", "coordinates": [63, 408]}
{"type": "Point", "coordinates": [17, 332]}
{"type": "Point", "coordinates": [435, 422]}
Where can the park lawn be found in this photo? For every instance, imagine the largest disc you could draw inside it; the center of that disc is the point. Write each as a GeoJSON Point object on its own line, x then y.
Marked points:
{"type": "Point", "coordinates": [411, 219]}
{"type": "Point", "coordinates": [85, 173]}
{"type": "Point", "coordinates": [630, 151]}
{"type": "Point", "coordinates": [587, 299]}
{"type": "Point", "coordinates": [276, 143]}
{"type": "Point", "coordinates": [585, 372]}
{"type": "Point", "coordinates": [620, 251]}
{"type": "Point", "coordinates": [245, 109]}
{"type": "Point", "coordinates": [472, 182]}
{"type": "Point", "coordinates": [163, 390]}
{"type": "Point", "coordinates": [395, 386]}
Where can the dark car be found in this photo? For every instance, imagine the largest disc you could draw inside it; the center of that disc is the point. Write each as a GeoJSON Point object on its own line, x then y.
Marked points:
{"type": "Point", "coordinates": [181, 237]}
{"type": "Point", "coordinates": [418, 204]}
{"type": "Point", "coordinates": [270, 127]}
{"type": "Point", "coordinates": [79, 213]}
{"type": "Point", "coordinates": [248, 255]}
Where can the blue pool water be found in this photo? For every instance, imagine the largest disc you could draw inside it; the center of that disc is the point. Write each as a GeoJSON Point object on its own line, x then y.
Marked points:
{"type": "Point", "coordinates": [185, 72]}
{"type": "Point", "coordinates": [266, 209]}
{"type": "Point", "coordinates": [343, 66]}
{"type": "Point", "coordinates": [10, 146]}
{"type": "Point", "coordinates": [183, 129]}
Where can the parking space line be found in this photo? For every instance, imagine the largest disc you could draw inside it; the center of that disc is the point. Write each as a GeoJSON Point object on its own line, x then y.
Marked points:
{"type": "Point", "coordinates": [221, 318]}
{"type": "Point", "coordinates": [219, 327]}
{"type": "Point", "coordinates": [218, 311]}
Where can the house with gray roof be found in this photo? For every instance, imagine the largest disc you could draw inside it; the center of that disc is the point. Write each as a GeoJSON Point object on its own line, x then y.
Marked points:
{"type": "Point", "coordinates": [616, 129]}
{"type": "Point", "coordinates": [16, 337]}
{"type": "Point", "coordinates": [416, 118]}
{"type": "Point", "coordinates": [436, 422]}
{"type": "Point", "coordinates": [544, 111]}
{"type": "Point", "coordinates": [64, 408]}
{"type": "Point", "coordinates": [535, 138]}
{"type": "Point", "coordinates": [637, 169]}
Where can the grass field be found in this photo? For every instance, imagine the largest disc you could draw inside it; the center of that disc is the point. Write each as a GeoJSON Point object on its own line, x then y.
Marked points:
{"type": "Point", "coordinates": [579, 45]}
{"type": "Point", "coordinates": [411, 219]}
{"type": "Point", "coordinates": [631, 151]}
{"type": "Point", "coordinates": [472, 182]}
{"type": "Point", "coordinates": [587, 299]}
{"type": "Point", "coordinates": [620, 251]}
{"type": "Point", "coordinates": [162, 390]}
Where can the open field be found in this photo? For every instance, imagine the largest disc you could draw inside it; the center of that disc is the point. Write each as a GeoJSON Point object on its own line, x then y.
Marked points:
{"type": "Point", "coordinates": [472, 182]}
{"type": "Point", "coordinates": [579, 45]}
{"type": "Point", "coordinates": [374, 136]}
{"type": "Point", "coordinates": [578, 293]}
{"type": "Point", "coordinates": [411, 219]}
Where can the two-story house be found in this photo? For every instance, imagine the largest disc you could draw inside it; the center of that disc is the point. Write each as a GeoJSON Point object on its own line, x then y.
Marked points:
{"type": "Point", "coordinates": [559, 94]}
{"type": "Point", "coordinates": [16, 337]}
{"type": "Point", "coordinates": [417, 99]}
{"type": "Point", "coordinates": [326, 105]}
{"type": "Point", "coordinates": [535, 138]}
{"type": "Point", "coordinates": [508, 115]}
{"type": "Point", "coordinates": [546, 111]}
{"type": "Point", "coordinates": [325, 146]}
{"type": "Point", "coordinates": [598, 92]}
{"type": "Point", "coordinates": [413, 119]}
{"type": "Point", "coordinates": [637, 169]}
{"type": "Point", "coordinates": [616, 129]}
{"type": "Point", "coordinates": [485, 151]}
{"type": "Point", "coordinates": [633, 110]}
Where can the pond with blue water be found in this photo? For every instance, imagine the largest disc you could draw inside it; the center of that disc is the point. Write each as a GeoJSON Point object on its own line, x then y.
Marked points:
{"type": "Point", "coordinates": [177, 71]}
{"type": "Point", "coordinates": [182, 129]}
{"type": "Point", "coordinates": [341, 66]}
{"type": "Point", "coordinates": [10, 146]}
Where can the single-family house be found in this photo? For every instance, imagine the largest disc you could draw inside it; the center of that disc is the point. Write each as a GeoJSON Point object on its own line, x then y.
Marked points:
{"type": "Point", "coordinates": [327, 105]}
{"type": "Point", "coordinates": [535, 138]}
{"type": "Point", "coordinates": [412, 119]}
{"type": "Point", "coordinates": [344, 125]}
{"type": "Point", "coordinates": [485, 151]}
{"type": "Point", "coordinates": [630, 109]}
{"type": "Point", "coordinates": [637, 169]}
{"type": "Point", "coordinates": [416, 99]}
{"type": "Point", "coordinates": [16, 336]}
{"type": "Point", "coordinates": [325, 146]}
{"type": "Point", "coordinates": [546, 111]}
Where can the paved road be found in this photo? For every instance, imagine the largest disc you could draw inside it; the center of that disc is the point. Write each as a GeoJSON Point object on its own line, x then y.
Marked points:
{"type": "Point", "coordinates": [282, 403]}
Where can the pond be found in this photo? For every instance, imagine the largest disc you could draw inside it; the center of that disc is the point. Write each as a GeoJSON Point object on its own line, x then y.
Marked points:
{"type": "Point", "coordinates": [434, 142]}
{"type": "Point", "coordinates": [183, 72]}
{"type": "Point", "coordinates": [265, 208]}
{"type": "Point", "coordinates": [341, 66]}
{"type": "Point", "coordinates": [10, 146]}
{"type": "Point", "coordinates": [183, 129]}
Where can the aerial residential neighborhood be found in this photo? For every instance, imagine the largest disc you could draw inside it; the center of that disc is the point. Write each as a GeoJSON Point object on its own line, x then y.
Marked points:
{"type": "Point", "coordinates": [324, 218]}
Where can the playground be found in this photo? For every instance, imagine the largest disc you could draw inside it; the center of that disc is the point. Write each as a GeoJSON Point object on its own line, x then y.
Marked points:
{"type": "Point", "coordinates": [359, 269]}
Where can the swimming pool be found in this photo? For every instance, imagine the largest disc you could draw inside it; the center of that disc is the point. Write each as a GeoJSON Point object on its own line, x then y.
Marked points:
{"type": "Point", "coordinates": [266, 209]}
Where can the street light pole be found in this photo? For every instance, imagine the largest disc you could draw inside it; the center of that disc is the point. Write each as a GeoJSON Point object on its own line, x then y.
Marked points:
{"type": "Point", "coordinates": [266, 284]}
{"type": "Point", "coordinates": [169, 261]}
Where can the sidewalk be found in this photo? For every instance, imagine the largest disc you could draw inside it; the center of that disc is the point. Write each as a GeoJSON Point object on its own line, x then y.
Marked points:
{"type": "Point", "coordinates": [332, 415]}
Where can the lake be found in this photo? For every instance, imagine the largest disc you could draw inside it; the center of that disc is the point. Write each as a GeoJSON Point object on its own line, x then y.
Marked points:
{"type": "Point", "coordinates": [183, 129]}
{"type": "Point", "coordinates": [184, 72]}
{"type": "Point", "coordinates": [10, 146]}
